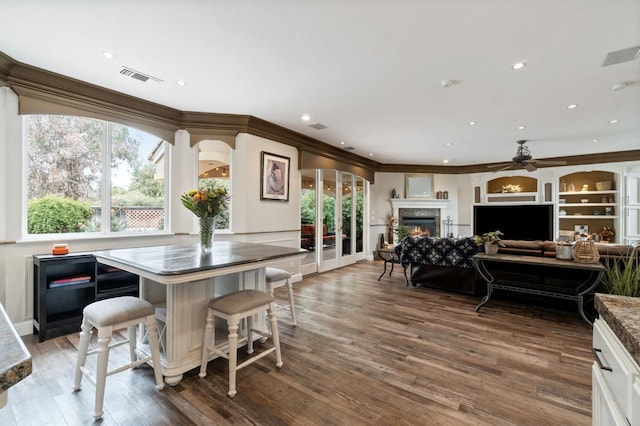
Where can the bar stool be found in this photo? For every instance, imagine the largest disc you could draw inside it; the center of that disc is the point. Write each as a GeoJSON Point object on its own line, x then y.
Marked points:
{"type": "Point", "coordinates": [233, 307]}
{"type": "Point", "coordinates": [277, 278]}
{"type": "Point", "coordinates": [108, 315]}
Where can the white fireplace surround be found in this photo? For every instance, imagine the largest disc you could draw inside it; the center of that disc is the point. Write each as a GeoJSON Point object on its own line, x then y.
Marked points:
{"type": "Point", "coordinates": [416, 203]}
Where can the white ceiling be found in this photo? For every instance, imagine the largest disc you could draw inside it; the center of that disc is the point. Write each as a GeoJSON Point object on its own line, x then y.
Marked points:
{"type": "Point", "coordinates": [369, 70]}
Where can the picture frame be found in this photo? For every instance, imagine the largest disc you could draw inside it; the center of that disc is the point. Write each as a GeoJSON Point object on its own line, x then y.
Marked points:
{"type": "Point", "coordinates": [418, 186]}
{"type": "Point", "coordinates": [580, 230]}
{"type": "Point", "coordinates": [274, 177]}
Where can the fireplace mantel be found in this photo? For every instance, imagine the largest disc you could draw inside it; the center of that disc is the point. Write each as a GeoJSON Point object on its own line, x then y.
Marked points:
{"type": "Point", "coordinates": [414, 203]}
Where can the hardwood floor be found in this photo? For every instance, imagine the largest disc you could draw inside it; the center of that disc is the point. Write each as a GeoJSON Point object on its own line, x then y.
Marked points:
{"type": "Point", "coordinates": [364, 353]}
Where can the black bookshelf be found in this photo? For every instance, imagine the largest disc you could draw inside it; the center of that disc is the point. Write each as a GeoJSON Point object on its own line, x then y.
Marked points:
{"type": "Point", "coordinates": [65, 284]}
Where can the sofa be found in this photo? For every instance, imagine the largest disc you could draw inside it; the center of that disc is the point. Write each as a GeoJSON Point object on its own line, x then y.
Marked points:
{"type": "Point", "coordinates": [443, 263]}
{"type": "Point", "coordinates": [308, 236]}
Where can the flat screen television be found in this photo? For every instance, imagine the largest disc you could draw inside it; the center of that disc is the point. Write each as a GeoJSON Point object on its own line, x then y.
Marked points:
{"type": "Point", "coordinates": [517, 222]}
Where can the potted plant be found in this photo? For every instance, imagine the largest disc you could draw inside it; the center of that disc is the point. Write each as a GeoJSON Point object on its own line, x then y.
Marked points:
{"type": "Point", "coordinates": [622, 276]}
{"type": "Point", "coordinates": [491, 241]}
{"type": "Point", "coordinates": [401, 232]}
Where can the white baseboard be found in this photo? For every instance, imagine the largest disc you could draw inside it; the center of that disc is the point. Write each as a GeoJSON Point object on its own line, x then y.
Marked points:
{"type": "Point", "coordinates": [24, 328]}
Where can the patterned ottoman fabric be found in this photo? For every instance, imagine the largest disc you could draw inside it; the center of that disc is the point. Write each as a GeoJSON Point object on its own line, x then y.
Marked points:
{"type": "Point", "coordinates": [437, 251]}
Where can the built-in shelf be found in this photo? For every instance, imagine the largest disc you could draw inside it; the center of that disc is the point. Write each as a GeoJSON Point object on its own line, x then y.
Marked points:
{"type": "Point", "coordinates": [587, 216]}
{"type": "Point", "coordinates": [513, 197]}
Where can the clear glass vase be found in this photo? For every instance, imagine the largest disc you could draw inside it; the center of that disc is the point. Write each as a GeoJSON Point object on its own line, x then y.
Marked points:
{"type": "Point", "coordinates": [207, 230]}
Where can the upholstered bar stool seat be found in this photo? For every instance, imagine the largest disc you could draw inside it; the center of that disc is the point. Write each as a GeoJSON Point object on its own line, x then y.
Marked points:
{"type": "Point", "coordinates": [278, 278]}
{"type": "Point", "coordinates": [233, 307]}
{"type": "Point", "coordinates": [106, 316]}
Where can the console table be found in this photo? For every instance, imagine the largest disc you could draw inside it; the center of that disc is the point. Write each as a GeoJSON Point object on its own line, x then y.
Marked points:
{"type": "Point", "coordinates": [538, 270]}
{"type": "Point", "coordinates": [182, 280]}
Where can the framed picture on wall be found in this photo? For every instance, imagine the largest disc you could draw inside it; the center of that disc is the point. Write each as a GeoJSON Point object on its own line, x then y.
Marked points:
{"type": "Point", "coordinates": [274, 177]}
{"type": "Point", "coordinates": [419, 186]}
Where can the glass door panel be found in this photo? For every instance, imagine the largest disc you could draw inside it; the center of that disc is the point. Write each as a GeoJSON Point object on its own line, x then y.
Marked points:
{"type": "Point", "coordinates": [348, 231]}
{"type": "Point", "coordinates": [359, 219]}
{"type": "Point", "coordinates": [308, 214]}
{"type": "Point", "coordinates": [326, 234]}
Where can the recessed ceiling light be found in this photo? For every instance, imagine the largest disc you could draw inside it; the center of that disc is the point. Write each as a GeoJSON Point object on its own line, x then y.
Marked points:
{"type": "Point", "coordinates": [306, 117]}
{"type": "Point", "coordinates": [619, 86]}
{"type": "Point", "coordinates": [371, 154]}
{"type": "Point", "coordinates": [108, 55]}
{"type": "Point", "coordinates": [595, 140]}
{"type": "Point", "coordinates": [472, 123]}
{"type": "Point", "coordinates": [342, 143]}
{"type": "Point", "coordinates": [448, 143]}
{"type": "Point", "coordinates": [613, 121]}
{"type": "Point", "coordinates": [518, 65]}
{"type": "Point", "coordinates": [522, 127]}
{"type": "Point", "coordinates": [572, 106]}
{"type": "Point", "coordinates": [445, 161]}
{"type": "Point", "coordinates": [181, 83]}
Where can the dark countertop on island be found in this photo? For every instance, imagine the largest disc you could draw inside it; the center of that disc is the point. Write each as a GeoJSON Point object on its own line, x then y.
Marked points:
{"type": "Point", "coordinates": [15, 359]}
{"type": "Point", "coordinates": [622, 314]}
{"type": "Point", "coordinates": [187, 258]}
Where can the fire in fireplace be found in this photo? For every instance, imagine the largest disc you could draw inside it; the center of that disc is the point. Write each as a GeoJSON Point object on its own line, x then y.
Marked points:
{"type": "Point", "coordinates": [420, 225]}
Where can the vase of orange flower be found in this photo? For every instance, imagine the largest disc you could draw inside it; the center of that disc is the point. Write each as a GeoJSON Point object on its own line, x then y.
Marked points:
{"type": "Point", "coordinates": [206, 204]}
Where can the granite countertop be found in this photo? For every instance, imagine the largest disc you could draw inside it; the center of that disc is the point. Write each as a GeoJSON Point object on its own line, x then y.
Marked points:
{"type": "Point", "coordinates": [187, 258]}
{"type": "Point", "coordinates": [15, 359]}
{"type": "Point", "coordinates": [622, 314]}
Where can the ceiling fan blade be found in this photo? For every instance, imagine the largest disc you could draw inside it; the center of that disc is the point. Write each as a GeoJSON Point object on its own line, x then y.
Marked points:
{"type": "Point", "coordinates": [530, 167]}
{"type": "Point", "coordinates": [504, 168]}
{"type": "Point", "coordinates": [491, 166]}
{"type": "Point", "coordinates": [550, 162]}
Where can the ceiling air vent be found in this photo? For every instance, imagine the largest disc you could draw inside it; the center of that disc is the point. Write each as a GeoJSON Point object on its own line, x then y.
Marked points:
{"type": "Point", "coordinates": [349, 148]}
{"type": "Point", "coordinates": [137, 75]}
{"type": "Point", "coordinates": [620, 56]}
{"type": "Point", "coordinates": [318, 126]}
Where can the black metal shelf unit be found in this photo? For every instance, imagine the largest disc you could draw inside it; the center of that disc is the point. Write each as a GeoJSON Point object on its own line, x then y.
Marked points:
{"type": "Point", "coordinates": [65, 284]}
{"type": "Point", "coordinates": [61, 290]}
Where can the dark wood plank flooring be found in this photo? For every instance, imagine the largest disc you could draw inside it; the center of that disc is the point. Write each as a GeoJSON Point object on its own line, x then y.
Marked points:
{"type": "Point", "coordinates": [364, 353]}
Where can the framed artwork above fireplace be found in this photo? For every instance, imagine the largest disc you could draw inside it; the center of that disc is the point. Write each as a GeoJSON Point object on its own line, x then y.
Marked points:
{"type": "Point", "coordinates": [418, 186]}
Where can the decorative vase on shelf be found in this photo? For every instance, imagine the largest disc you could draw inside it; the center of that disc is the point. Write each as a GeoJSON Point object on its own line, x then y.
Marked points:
{"type": "Point", "coordinates": [490, 248]}
{"type": "Point", "coordinates": [207, 230]}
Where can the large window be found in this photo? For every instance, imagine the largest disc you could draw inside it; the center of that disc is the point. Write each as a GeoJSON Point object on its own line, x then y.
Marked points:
{"type": "Point", "coordinates": [91, 176]}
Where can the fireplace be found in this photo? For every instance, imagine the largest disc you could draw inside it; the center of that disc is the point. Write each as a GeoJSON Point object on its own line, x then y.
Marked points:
{"type": "Point", "coordinates": [420, 225]}
{"type": "Point", "coordinates": [420, 221]}
{"type": "Point", "coordinates": [423, 216]}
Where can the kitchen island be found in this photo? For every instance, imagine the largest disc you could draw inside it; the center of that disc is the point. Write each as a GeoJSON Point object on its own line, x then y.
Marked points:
{"type": "Point", "coordinates": [180, 280]}
{"type": "Point", "coordinates": [616, 369]}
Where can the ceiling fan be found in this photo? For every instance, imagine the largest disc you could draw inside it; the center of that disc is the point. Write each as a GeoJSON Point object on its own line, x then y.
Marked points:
{"type": "Point", "coordinates": [523, 160]}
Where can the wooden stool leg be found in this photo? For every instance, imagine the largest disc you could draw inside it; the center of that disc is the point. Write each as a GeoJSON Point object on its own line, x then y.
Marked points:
{"type": "Point", "coordinates": [206, 342]}
{"type": "Point", "coordinates": [292, 307]}
{"type": "Point", "coordinates": [250, 334]}
{"type": "Point", "coordinates": [104, 337]}
{"type": "Point", "coordinates": [152, 330]}
{"type": "Point", "coordinates": [233, 355]}
{"type": "Point", "coordinates": [83, 348]}
{"type": "Point", "coordinates": [131, 331]}
{"type": "Point", "coordinates": [271, 311]}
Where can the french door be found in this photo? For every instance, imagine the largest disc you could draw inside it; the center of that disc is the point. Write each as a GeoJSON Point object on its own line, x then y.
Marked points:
{"type": "Point", "coordinates": [334, 231]}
